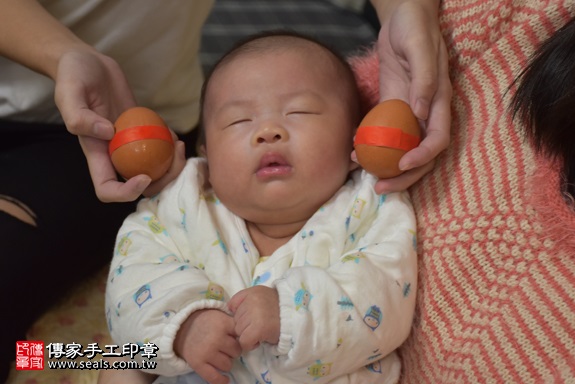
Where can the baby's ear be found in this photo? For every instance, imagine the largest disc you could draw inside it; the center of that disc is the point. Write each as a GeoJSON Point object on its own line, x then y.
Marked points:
{"type": "Point", "coordinates": [202, 151]}
{"type": "Point", "coordinates": [353, 164]}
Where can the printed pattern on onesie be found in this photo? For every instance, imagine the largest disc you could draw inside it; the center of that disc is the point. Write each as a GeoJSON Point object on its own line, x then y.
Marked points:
{"type": "Point", "coordinates": [345, 281]}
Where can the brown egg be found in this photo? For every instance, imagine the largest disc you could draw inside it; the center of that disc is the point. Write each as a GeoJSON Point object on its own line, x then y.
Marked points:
{"type": "Point", "coordinates": [142, 144]}
{"type": "Point", "coordinates": [384, 135]}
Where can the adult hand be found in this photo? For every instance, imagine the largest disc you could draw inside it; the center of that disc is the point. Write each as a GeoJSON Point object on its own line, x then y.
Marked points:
{"type": "Point", "coordinates": [256, 315]}
{"type": "Point", "coordinates": [413, 64]}
{"type": "Point", "coordinates": [207, 341]}
{"type": "Point", "coordinates": [91, 91]}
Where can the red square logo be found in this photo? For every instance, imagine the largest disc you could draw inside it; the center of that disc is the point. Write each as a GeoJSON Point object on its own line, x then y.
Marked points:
{"type": "Point", "coordinates": [29, 355]}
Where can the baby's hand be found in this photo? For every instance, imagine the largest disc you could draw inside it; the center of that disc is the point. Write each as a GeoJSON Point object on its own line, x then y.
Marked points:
{"type": "Point", "coordinates": [207, 341]}
{"type": "Point", "coordinates": [257, 316]}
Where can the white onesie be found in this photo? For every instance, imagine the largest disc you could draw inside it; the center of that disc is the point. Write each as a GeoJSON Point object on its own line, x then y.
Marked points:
{"type": "Point", "coordinates": [346, 281]}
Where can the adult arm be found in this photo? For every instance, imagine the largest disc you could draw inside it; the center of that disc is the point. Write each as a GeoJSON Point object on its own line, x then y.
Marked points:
{"type": "Point", "coordinates": [90, 90]}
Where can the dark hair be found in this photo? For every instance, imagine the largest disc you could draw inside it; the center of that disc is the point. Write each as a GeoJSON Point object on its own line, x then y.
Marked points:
{"type": "Point", "coordinates": [545, 101]}
{"type": "Point", "coordinates": [257, 43]}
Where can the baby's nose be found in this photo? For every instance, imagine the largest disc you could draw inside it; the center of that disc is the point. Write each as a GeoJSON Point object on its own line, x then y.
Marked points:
{"type": "Point", "coordinates": [270, 133]}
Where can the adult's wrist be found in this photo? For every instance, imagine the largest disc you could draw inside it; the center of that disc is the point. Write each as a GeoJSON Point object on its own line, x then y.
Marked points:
{"type": "Point", "coordinates": [385, 8]}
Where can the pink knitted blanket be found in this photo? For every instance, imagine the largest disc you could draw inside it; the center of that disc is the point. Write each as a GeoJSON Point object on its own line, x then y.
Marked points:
{"type": "Point", "coordinates": [496, 298]}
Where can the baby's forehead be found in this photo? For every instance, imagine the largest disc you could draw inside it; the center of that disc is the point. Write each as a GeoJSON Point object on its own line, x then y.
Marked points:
{"type": "Point", "coordinates": [278, 73]}
{"type": "Point", "coordinates": [311, 58]}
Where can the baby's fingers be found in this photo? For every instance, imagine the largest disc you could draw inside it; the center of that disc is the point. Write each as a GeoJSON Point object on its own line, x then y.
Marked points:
{"type": "Point", "coordinates": [231, 347]}
{"type": "Point", "coordinates": [249, 339]}
{"type": "Point", "coordinates": [210, 374]}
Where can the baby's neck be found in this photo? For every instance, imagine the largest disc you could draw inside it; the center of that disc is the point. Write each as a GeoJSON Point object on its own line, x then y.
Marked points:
{"type": "Point", "coordinates": [269, 237]}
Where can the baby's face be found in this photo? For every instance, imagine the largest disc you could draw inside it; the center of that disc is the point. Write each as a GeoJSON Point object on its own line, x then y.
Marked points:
{"type": "Point", "coordinates": [279, 134]}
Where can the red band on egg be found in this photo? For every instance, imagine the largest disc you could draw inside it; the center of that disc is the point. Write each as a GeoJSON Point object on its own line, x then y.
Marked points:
{"type": "Point", "coordinates": [386, 137]}
{"type": "Point", "coordinates": [144, 132]}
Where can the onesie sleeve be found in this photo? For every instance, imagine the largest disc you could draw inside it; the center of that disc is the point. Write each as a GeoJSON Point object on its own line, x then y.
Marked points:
{"type": "Point", "coordinates": [155, 280]}
{"type": "Point", "coordinates": [352, 314]}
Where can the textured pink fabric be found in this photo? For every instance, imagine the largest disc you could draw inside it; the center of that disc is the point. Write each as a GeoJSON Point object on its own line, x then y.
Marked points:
{"type": "Point", "coordinates": [496, 297]}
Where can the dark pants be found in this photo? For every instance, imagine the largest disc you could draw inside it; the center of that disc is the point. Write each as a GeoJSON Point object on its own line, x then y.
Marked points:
{"type": "Point", "coordinates": [43, 167]}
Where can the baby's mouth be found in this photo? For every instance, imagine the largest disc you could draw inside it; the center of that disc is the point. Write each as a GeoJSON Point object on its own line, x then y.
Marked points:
{"type": "Point", "coordinates": [273, 165]}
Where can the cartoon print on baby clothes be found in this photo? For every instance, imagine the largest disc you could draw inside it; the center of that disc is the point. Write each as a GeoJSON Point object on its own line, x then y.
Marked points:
{"type": "Point", "coordinates": [319, 370]}
{"type": "Point", "coordinates": [221, 243]}
{"type": "Point", "coordinates": [382, 199]}
{"type": "Point", "coordinates": [124, 245]}
{"type": "Point", "coordinates": [375, 355]}
{"type": "Point", "coordinates": [413, 239]}
{"type": "Point", "coordinates": [155, 225]}
{"type": "Point", "coordinates": [172, 258]}
{"type": "Point", "coordinates": [214, 292]}
{"type": "Point", "coordinates": [245, 246]}
{"type": "Point", "coordinates": [356, 211]}
{"type": "Point", "coordinates": [355, 257]}
{"type": "Point", "coordinates": [183, 223]}
{"type": "Point", "coordinates": [168, 315]}
{"type": "Point", "coordinates": [352, 238]}
{"type": "Point", "coordinates": [142, 295]}
{"type": "Point", "coordinates": [406, 289]}
{"type": "Point", "coordinates": [357, 208]}
{"type": "Point", "coordinates": [345, 303]}
{"type": "Point", "coordinates": [117, 272]}
{"type": "Point", "coordinates": [266, 377]}
{"type": "Point", "coordinates": [304, 234]}
{"type": "Point", "coordinates": [346, 306]}
{"type": "Point", "coordinates": [262, 278]}
{"type": "Point", "coordinates": [373, 317]}
{"type": "Point", "coordinates": [346, 316]}
{"type": "Point", "coordinates": [169, 258]}
{"type": "Point", "coordinates": [302, 298]}
{"type": "Point", "coordinates": [374, 367]}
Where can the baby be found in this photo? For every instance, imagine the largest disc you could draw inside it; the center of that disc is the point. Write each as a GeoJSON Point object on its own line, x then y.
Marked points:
{"type": "Point", "coordinates": [271, 259]}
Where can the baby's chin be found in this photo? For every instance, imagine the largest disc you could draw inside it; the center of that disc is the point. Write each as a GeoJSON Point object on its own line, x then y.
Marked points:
{"type": "Point", "coordinates": [277, 203]}
{"type": "Point", "coordinates": [276, 213]}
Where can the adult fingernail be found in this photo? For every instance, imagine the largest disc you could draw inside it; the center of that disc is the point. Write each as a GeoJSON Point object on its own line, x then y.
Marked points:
{"type": "Point", "coordinates": [144, 183]}
{"type": "Point", "coordinates": [405, 166]}
{"type": "Point", "coordinates": [104, 131]}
